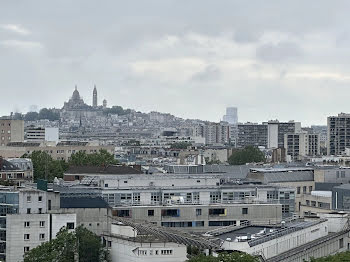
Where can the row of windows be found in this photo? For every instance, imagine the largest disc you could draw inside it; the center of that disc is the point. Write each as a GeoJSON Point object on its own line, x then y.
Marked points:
{"type": "Point", "coordinates": [304, 189]}
{"type": "Point", "coordinates": [41, 236]}
{"type": "Point", "coordinates": [176, 212]}
{"type": "Point", "coordinates": [29, 199]}
{"type": "Point", "coordinates": [28, 223]}
{"type": "Point", "coordinates": [164, 252]}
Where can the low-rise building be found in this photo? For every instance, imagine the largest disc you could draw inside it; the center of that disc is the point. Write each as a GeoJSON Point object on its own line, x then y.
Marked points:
{"type": "Point", "coordinates": [125, 245]}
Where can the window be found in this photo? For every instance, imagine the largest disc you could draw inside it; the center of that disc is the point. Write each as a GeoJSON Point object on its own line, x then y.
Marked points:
{"type": "Point", "coordinates": [28, 211]}
{"type": "Point", "coordinates": [125, 182]}
{"type": "Point", "coordinates": [170, 212]}
{"type": "Point", "coordinates": [217, 212]}
{"type": "Point", "coordinates": [40, 199]}
{"type": "Point", "coordinates": [244, 211]}
{"type": "Point", "coordinates": [155, 197]}
{"type": "Point", "coordinates": [304, 189]}
{"type": "Point", "coordinates": [70, 225]}
{"type": "Point", "coordinates": [157, 253]}
{"type": "Point", "coordinates": [166, 252]}
{"type": "Point", "coordinates": [109, 244]}
{"type": "Point", "coordinates": [26, 249]}
{"type": "Point", "coordinates": [150, 212]}
{"type": "Point", "coordinates": [308, 202]}
{"type": "Point", "coordinates": [106, 185]}
{"type": "Point", "coordinates": [310, 189]}
{"type": "Point", "coordinates": [221, 223]}
{"type": "Point", "coordinates": [27, 224]}
{"type": "Point", "coordinates": [29, 198]}
{"type": "Point", "coordinates": [123, 213]}
{"type": "Point", "coordinates": [40, 210]}
{"type": "Point", "coordinates": [136, 197]}
{"type": "Point", "coordinates": [198, 212]}
{"type": "Point", "coordinates": [215, 197]}
{"type": "Point", "coordinates": [49, 205]}
{"type": "Point", "coordinates": [26, 237]}
{"type": "Point", "coordinates": [341, 243]}
{"type": "Point", "coordinates": [41, 236]}
{"type": "Point", "coordinates": [285, 209]}
{"type": "Point", "coordinates": [42, 223]}
{"type": "Point", "coordinates": [298, 190]}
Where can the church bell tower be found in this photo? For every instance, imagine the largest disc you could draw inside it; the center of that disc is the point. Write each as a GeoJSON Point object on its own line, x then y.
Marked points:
{"type": "Point", "coordinates": [94, 97]}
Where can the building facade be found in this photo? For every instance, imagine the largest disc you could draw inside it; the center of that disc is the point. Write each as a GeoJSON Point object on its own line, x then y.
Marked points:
{"type": "Point", "coordinates": [11, 131]}
{"type": "Point", "coordinates": [338, 134]}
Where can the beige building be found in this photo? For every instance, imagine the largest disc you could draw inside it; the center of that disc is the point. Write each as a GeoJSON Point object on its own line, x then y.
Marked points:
{"type": "Point", "coordinates": [11, 131]}
{"type": "Point", "coordinates": [59, 151]}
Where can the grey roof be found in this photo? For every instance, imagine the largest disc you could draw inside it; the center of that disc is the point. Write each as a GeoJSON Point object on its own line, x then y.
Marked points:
{"type": "Point", "coordinates": [7, 166]}
{"type": "Point", "coordinates": [343, 186]}
{"type": "Point", "coordinates": [83, 202]}
{"type": "Point", "coordinates": [288, 176]}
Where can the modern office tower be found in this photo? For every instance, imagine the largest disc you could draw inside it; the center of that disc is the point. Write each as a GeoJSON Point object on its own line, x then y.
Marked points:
{"type": "Point", "coordinates": [338, 134]}
{"type": "Point", "coordinates": [11, 131]}
{"type": "Point", "coordinates": [231, 116]}
{"type": "Point", "coordinates": [301, 145]}
{"type": "Point", "coordinates": [252, 134]}
{"type": "Point", "coordinates": [94, 97]}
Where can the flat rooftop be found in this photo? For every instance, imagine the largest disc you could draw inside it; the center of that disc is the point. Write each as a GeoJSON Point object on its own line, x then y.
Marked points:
{"type": "Point", "coordinates": [256, 235]}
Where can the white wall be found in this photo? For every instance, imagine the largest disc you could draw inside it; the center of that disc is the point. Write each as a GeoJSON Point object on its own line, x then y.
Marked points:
{"type": "Point", "coordinates": [127, 251]}
{"type": "Point", "coordinates": [272, 141]}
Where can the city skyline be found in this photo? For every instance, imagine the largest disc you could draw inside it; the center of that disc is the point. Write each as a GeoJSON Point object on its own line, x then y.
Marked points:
{"type": "Point", "coordinates": [203, 60]}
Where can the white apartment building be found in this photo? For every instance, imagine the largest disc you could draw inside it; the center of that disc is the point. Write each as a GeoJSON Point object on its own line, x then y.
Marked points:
{"type": "Point", "coordinates": [27, 231]}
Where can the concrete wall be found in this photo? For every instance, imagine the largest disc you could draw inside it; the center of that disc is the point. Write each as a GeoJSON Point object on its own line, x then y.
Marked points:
{"type": "Point", "coordinates": [15, 231]}
{"type": "Point", "coordinates": [94, 219]}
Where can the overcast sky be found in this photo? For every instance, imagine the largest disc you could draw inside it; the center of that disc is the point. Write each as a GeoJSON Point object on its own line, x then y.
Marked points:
{"type": "Point", "coordinates": [272, 59]}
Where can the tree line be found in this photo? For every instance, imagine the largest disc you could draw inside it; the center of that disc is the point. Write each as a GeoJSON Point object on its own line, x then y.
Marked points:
{"type": "Point", "coordinates": [45, 167]}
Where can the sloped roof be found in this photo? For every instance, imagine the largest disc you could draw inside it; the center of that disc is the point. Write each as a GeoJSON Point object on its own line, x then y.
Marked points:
{"type": "Point", "coordinates": [83, 202]}
{"type": "Point", "coordinates": [288, 176]}
{"type": "Point", "coordinates": [7, 166]}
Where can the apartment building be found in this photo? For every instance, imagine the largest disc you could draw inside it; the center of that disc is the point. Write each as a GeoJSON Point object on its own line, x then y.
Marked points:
{"type": "Point", "coordinates": [16, 171]}
{"type": "Point", "coordinates": [251, 134]}
{"type": "Point", "coordinates": [300, 146]}
{"type": "Point", "coordinates": [25, 222]}
{"type": "Point", "coordinates": [338, 134]}
{"type": "Point", "coordinates": [40, 134]}
{"type": "Point", "coordinates": [268, 134]}
{"type": "Point", "coordinates": [11, 131]}
{"type": "Point", "coordinates": [277, 131]}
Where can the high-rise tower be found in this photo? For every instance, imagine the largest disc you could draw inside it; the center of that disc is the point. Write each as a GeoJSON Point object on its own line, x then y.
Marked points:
{"type": "Point", "coordinates": [94, 97]}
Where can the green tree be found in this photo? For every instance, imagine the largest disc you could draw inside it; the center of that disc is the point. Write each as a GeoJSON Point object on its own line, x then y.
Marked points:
{"type": "Point", "coordinates": [249, 154]}
{"type": "Point", "coordinates": [68, 246]}
{"type": "Point", "coordinates": [340, 257]}
{"type": "Point", "coordinates": [45, 167]}
{"type": "Point", "coordinates": [49, 114]}
{"type": "Point", "coordinates": [101, 158]}
{"type": "Point", "coordinates": [31, 116]}
{"type": "Point", "coordinates": [225, 257]}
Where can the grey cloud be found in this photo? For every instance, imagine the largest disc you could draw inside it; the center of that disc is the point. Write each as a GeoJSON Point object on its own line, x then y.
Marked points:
{"type": "Point", "coordinates": [281, 52]}
{"type": "Point", "coordinates": [210, 73]}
